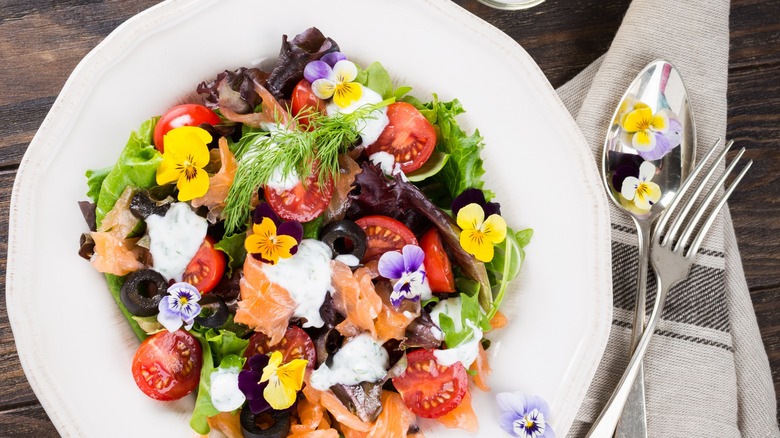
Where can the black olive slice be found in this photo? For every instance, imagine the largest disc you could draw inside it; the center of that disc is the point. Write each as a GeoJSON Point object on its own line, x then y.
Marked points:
{"type": "Point", "coordinates": [217, 312]}
{"type": "Point", "coordinates": [142, 205]}
{"type": "Point", "coordinates": [268, 424]}
{"type": "Point", "coordinates": [344, 238]}
{"type": "Point", "coordinates": [142, 292]}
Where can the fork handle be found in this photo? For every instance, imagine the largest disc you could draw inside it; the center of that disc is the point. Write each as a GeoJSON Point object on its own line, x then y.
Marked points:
{"type": "Point", "coordinates": [605, 424]}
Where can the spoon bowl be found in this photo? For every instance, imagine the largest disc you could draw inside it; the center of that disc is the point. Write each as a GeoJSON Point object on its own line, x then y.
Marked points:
{"type": "Point", "coordinates": [648, 152]}
{"type": "Point", "coordinates": [658, 91]}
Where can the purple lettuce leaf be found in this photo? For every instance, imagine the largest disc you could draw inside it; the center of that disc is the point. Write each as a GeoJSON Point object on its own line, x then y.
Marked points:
{"type": "Point", "coordinates": [309, 45]}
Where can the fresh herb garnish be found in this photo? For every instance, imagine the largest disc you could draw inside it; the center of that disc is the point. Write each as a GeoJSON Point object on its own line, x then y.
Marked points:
{"type": "Point", "coordinates": [290, 151]}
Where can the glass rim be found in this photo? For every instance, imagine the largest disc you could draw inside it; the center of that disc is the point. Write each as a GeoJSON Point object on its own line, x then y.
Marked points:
{"type": "Point", "coordinates": [511, 5]}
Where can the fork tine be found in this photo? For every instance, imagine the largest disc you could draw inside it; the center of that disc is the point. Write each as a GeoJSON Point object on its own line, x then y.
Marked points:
{"type": "Point", "coordinates": [678, 220]}
{"type": "Point", "coordinates": [711, 218]}
{"type": "Point", "coordinates": [691, 227]}
{"type": "Point", "coordinates": [667, 214]}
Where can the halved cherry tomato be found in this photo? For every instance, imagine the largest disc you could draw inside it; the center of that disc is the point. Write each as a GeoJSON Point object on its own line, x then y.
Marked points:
{"type": "Point", "coordinates": [428, 388]}
{"type": "Point", "coordinates": [384, 234]}
{"type": "Point", "coordinates": [207, 267]}
{"type": "Point", "coordinates": [295, 344]}
{"type": "Point", "coordinates": [304, 98]}
{"type": "Point", "coordinates": [167, 365]}
{"type": "Point", "coordinates": [189, 114]}
{"type": "Point", "coordinates": [438, 269]}
{"type": "Point", "coordinates": [301, 203]}
{"type": "Point", "coordinates": [409, 137]}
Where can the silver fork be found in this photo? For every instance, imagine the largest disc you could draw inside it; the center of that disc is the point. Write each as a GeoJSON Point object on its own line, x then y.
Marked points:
{"type": "Point", "coordinates": [672, 252]}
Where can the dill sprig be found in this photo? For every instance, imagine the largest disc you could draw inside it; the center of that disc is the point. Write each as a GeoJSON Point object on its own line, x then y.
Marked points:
{"type": "Point", "coordinates": [287, 150]}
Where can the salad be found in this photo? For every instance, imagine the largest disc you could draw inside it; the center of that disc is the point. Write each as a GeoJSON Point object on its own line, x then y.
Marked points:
{"type": "Point", "coordinates": [309, 250]}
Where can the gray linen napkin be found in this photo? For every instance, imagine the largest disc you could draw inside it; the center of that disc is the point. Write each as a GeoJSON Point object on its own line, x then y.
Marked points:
{"type": "Point", "coordinates": [706, 370]}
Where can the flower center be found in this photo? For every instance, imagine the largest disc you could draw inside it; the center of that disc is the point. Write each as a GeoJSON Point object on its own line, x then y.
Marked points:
{"type": "Point", "coordinates": [183, 300]}
{"type": "Point", "coordinates": [531, 425]}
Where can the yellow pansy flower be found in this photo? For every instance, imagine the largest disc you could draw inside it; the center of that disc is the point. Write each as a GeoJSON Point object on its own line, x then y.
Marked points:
{"type": "Point", "coordinates": [479, 235]}
{"type": "Point", "coordinates": [268, 244]}
{"type": "Point", "coordinates": [186, 154]}
{"type": "Point", "coordinates": [284, 381]}
{"type": "Point", "coordinates": [337, 82]}
{"type": "Point", "coordinates": [643, 124]}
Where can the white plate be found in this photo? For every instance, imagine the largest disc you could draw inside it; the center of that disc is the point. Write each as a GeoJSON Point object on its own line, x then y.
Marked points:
{"type": "Point", "coordinates": [76, 348]}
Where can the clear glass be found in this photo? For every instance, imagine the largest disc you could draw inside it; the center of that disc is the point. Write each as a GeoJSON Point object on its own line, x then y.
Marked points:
{"type": "Point", "coordinates": [511, 5]}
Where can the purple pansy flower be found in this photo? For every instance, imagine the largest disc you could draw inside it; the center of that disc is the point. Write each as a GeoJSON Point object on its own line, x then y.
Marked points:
{"type": "Point", "coordinates": [322, 68]}
{"type": "Point", "coordinates": [475, 196]}
{"type": "Point", "coordinates": [407, 272]}
{"type": "Point", "coordinates": [180, 307]}
{"type": "Point", "coordinates": [249, 383]}
{"type": "Point", "coordinates": [524, 417]}
{"type": "Point", "coordinates": [664, 142]}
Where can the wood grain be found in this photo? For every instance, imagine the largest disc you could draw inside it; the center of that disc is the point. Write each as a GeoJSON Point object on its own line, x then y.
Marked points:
{"type": "Point", "coordinates": [41, 42]}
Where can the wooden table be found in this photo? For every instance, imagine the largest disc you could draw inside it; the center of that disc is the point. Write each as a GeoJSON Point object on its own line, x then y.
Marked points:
{"type": "Point", "coordinates": [42, 41]}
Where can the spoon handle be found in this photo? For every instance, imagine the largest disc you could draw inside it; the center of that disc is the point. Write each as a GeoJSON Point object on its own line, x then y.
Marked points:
{"type": "Point", "coordinates": [633, 420]}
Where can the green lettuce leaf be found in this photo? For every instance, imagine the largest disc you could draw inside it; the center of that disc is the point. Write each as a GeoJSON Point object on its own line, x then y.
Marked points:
{"type": "Point", "coordinates": [464, 168]}
{"type": "Point", "coordinates": [203, 406]}
{"type": "Point", "coordinates": [507, 260]}
{"type": "Point", "coordinates": [311, 229]}
{"type": "Point", "coordinates": [233, 247]}
{"type": "Point", "coordinates": [224, 343]}
{"type": "Point", "coordinates": [221, 350]}
{"type": "Point", "coordinates": [95, 179]}
{"type": "Point", "coordinates": [136, 167]}
{"type": "Point", "coordinates": [378, 79]}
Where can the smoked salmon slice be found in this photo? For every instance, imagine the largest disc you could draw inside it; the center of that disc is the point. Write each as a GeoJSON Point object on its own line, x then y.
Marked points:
{"type": "Point", "coordinates": [264, 306]}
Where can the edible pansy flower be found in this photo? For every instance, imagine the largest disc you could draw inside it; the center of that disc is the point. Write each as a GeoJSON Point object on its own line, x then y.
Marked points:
{"type": "Point", "coordinates": [645, 127]}
{"type": "Point", "coordinates": [407, 272]}
{"type": "Point", "coordinates": [524, 417]}
{"type": "Point", "coordinates": [479, 233]}
{"type": "Point", "coordinates": [251, 384]}
{"type": "Point", "coordinates": [475, 196]}
{"type": "Point", "coordinates": [284, 380]}
{"type": "Point", "coordinates": [334, 80]}
{"type": "Point", "coordinates": [186, 154]}
{"type": "Point", "coordinates": [640, 190]}
{"type": "Point", "coordinates": [272, 239]}
{"type": "Point", "coordinates": [180, 307]}
{"type": "Point", "coordinates": [269, 383]}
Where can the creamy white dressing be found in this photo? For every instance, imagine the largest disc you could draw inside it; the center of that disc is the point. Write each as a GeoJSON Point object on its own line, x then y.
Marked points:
{"type": "Point", "coordinates": [175, 239]}
{"type": "Point", "coordinates": [466, 352]}
{"type": "Point", "coordinates": [280, 181]}
{"type": "Point", "coordinates": [372, 125]}
{"type": "Point", "coordinates": [225, 395]}
{"type": "Point", "coordinates": [348, 259]}
{"type": "Point", "coordinates": [361, 359]}
{"type": "Point", "coordinates": [306, 277]}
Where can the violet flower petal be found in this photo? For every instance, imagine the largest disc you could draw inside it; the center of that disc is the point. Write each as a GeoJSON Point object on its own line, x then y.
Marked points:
{"type": "Point", "coordinates": [317, 70]}
{"type": "Point", "coordinates": [469, 196]}
{"type": "Point", "coordinates": [621, 173]}
{"type": "Point", "coordinates": [264, 210]}
{"type": "Point", "coordinates": [511, 402]}
{"type": "Point", "coordinates": [169, 316]}
{"type": "Point", "coordinates": [332, 58]}
{"type": "Point", "coordinates": [661, 148]}
{"type": "Point", "coordinates": [189, 311]}
{"type": "Point", "coordinates": [492, 208]}
{"type": "Point", "coordinates": [248, 384]}
{"type": "Point", "coordinates": [293, 229]}
{"type": "Point", "coordinates": [391, 265]}
{"type": "Point", "coordinates": [506, 420]}
{"type": "Point", "coordinates": [258, 362]}
{"type": "Point", "coordinates": [413, 258]}
{"type": "Point", "coordinates": [259, 405]}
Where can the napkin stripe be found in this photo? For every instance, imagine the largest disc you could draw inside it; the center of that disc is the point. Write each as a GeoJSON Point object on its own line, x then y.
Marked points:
{"type": "Point", "coordinates": [675, 335]}
{"type": "Point", "coordinates": [697, 301]}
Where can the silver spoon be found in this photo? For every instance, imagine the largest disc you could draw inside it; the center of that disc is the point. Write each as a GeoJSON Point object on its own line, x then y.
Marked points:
{"type": "Point", "coordinates": [656, 97]}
